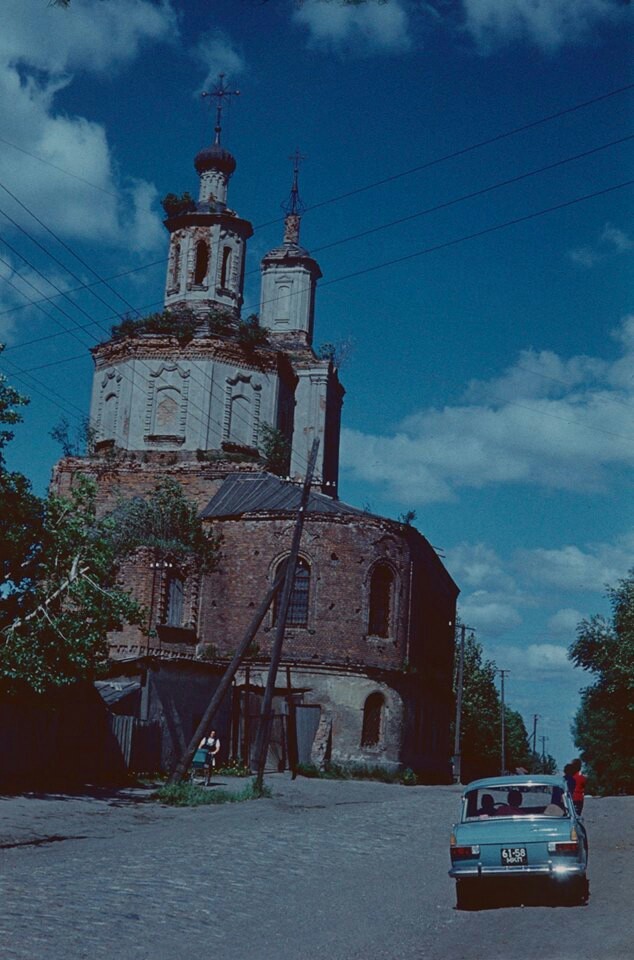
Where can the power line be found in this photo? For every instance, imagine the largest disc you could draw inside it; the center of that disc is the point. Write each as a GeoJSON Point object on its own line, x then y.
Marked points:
{"type": "Point", "coordinates": [377, 183]}
{"type": "Point", "coordinates": [437, 207]}
{"type": "Point", "coordinates": [95, 283]}
{"type": "Point", "coordinates": [479, 233]}
{"type": "Point", "coordinates": [472, 236]}
{"type": "Point", "coordinates": [463, 150]}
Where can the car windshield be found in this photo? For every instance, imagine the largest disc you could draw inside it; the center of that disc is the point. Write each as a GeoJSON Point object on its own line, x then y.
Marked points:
{"type": "Point", "coordinates": [534, 800]}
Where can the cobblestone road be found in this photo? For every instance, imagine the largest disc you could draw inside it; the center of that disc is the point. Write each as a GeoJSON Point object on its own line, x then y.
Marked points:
{"type": "Point", "coordinates": [324, 869]}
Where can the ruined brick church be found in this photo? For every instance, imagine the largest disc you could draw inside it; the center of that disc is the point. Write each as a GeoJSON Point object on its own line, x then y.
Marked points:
{"type": "Point", "coordinates": [366, 674]}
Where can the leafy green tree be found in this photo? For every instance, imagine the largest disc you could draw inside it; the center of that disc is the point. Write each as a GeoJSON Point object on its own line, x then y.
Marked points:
{"type": "Point", "coordinates": [167, 522]}
{"type": "Point", "coordinates": [481, 721]}
{"type": "Point", "coordinates": [603, 728]}
{"type": "Point", "coordinates": [55, 618]}
{"type": "Point", "coordinates": [275, 450]}
{"type": "Point", "coordinates": [20, 509]}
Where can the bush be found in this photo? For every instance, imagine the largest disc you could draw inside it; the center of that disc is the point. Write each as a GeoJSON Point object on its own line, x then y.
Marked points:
{"type": "Point", "coordinates": [187, 794]}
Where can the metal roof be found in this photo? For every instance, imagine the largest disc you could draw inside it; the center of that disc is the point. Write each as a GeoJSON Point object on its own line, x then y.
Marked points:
{"type": "Point", "coordinates": [265, 493]}
{"type": "Point", "coordinates": [114, 690]}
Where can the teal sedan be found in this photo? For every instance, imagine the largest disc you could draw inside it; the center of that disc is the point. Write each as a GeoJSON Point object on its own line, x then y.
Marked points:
{"type": "Point", "coordinates": [516, 828]}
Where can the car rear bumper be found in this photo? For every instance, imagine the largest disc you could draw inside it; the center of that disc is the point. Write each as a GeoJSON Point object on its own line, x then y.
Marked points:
{"type": "Point", "coordinates": [555, 870]}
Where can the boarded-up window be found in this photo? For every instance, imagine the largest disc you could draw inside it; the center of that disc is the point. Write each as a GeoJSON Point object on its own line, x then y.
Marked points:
{"type": "Point", "coordinates": [298, 606]}
{"type": "Point", "coordinates": [381, 584]}
{"type": "Point", "coordinates": [372, 720]}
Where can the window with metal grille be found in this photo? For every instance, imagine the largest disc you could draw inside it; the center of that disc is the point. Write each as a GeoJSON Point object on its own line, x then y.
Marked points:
{"type": "Point", "coordinates": [372, 716]}
{"type": "Point", "coordinates": [298, 606]}
{"type": "Point", "coordinates": [381, 584]}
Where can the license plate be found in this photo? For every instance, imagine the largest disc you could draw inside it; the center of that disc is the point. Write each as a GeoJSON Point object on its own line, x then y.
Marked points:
{"type": "Point", "coordinates": [514, 856]}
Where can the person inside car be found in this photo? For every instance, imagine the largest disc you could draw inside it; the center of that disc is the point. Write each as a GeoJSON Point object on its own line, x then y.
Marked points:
{"type": "Point", "coordinates": [487, 808]}
{"type": "Point", "coordinates": [513, 804]}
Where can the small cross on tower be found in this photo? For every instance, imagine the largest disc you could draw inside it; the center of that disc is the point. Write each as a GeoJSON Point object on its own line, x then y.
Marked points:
{"type": "Point", "coordinates": [294, 205]}
{"type": "Point", "coordinates": [220, 92]}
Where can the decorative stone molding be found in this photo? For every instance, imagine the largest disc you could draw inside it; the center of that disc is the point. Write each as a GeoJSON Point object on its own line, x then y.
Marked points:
{"type": "Point", "coordinates": [230, 395]}
{"type": "Point", "coordinates": [152, 435]}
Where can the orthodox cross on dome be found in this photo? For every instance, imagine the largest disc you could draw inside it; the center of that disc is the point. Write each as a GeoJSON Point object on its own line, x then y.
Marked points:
{"type": "Point", "coordinates": [293, 206]}
{"type": "Point", "coordinates": [220, 93]}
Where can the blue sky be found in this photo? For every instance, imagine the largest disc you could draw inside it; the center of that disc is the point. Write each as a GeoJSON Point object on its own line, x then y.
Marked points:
{"type": "Point", "coordinates": [488, 364]}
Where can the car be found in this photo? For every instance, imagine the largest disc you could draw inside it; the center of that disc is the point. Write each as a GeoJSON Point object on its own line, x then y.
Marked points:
{"type": "Point", "coordinates": [514, 828]}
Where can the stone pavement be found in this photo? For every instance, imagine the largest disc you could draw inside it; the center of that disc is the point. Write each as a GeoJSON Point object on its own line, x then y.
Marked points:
{"type": "Point", "coordinates": [102, 876]}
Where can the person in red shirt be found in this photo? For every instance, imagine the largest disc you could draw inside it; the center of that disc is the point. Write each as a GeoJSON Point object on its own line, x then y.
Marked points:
{"type": "Point", "coordinates": [579, 789]}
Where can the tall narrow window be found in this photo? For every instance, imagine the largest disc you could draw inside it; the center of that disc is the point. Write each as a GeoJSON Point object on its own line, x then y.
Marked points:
{"type": "Point", "coordinates": [381, 584]}
{"type": "Point", "coordinates": [298, 606]}
{"type": "Point", "coordinates": [372, 717]}
{"type": "Point", "coordinates": [174, 596]}
{"type": "Point", "coordinates": [176, 262]}
{"type": "Point", "coordinates": [202, 262]}
{"type": "Point", "coordinates": [225, 272]}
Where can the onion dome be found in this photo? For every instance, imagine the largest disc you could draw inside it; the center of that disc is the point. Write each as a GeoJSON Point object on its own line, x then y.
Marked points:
{"type": "Point", "coordinates": [215, 158]}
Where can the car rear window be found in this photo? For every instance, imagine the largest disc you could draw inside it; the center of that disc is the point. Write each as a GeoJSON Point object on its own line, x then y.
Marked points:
{"type": "Point", "coordinates": [540, 800]}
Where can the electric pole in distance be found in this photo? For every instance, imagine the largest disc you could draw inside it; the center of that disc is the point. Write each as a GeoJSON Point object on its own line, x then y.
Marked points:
{"type": "Point", "coordinates": [457, 746]}
{"type": "Point", "coordinates": [502, 673]}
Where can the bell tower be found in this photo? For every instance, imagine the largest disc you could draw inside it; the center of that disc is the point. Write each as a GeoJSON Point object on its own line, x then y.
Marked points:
{"type": "Point", "coordinates": [289, 277]}
{"type": "Point", "coordinates": [208, 240]}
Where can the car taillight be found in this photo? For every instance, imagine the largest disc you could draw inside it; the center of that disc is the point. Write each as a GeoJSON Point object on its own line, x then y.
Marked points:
{"type": "Point", "coordinates": [568, 847]}
{"type": "Point", "coordinates": [464, 853]}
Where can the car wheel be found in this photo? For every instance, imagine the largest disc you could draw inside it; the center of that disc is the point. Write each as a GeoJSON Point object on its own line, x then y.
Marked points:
{"type": "Point", "coordinates": [467, 894]}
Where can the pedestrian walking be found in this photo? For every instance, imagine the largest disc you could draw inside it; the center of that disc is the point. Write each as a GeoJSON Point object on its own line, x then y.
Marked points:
{"type": "Point", "coordinates": [211, 745]}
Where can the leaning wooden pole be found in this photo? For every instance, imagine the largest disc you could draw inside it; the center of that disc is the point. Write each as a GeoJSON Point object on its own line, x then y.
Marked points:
{"type": "Point", "coordinates": [264, 731]}
{"type": "Point", "coordinates": [205, 724]}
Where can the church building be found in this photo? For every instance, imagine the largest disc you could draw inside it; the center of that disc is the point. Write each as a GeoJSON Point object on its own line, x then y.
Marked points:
{"type": "Point", "coordinates": [195, 393]}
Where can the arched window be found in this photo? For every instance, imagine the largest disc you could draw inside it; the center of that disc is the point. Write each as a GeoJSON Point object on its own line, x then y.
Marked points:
{"type": "Point", "coordinates": [202, 262]}
{"type": "Point", "coordinates": [226, 267]}
{"type": "Point", "coordinates": [381, 584]}
{"type": "Point", "coordinates": [372, 720]}
{"type": "Point", "coordinates": [174, 596]}
{"type": "Point", "coordinates": [298, 606]}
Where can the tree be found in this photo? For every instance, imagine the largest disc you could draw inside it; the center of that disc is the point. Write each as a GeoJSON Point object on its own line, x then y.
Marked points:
{"type": "Point", "coordinates": [481, 726]}
{"type": "Point", "coordinates": [54, 618]}
{"type": "Point", "coordinates": [167, 522]}
{"type": "Point", "coordinates": [20, 509]}
{"type": "Point", "coordinates": [603, 728]}
{"type": "Point", "coordinates": [275, 450]}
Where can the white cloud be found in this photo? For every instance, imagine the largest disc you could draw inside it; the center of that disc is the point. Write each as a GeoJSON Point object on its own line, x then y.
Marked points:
{"type": "Point", "coordinates": [547, 421]}
{"type": "Point", "coordinates": [574, 568]}
{"type": "Point", "coordinates": [487, 613]}
{"type": "Point", "coordinates": [564, 622]}
{"type": "Point", "coordinates": [478, 566]}
{"type": "Point", "coordinates": [536, 658]}
{"type": "Point", "coordinates": [39, 56]}
{"type": "Point", "coordinates": [549, 24]}
{"type": "Point", "coordinates": [217, 54]}
{"type": "Point", "coordinates": [366, 28]}
{"type": "Point", "coordinates": [611, 242]}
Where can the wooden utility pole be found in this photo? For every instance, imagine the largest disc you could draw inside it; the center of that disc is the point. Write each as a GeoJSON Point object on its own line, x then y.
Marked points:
{"type": "Point", "coordinates": [205, 724]}
{"type": "Point", "coordinates": [534, 737]}
{"type": "Point", "coordinates": [264, 730]}
{"type": "Point", "coordinates": [459, 687]}
{"type": "Point", "coordinates": [502, 673]}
